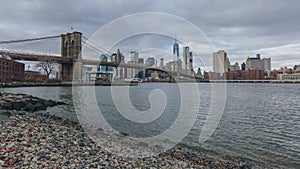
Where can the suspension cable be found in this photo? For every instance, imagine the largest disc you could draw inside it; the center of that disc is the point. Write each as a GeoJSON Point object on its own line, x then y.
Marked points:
{"type": "Point", "coordinates": [28, 40]}
{"type": "Point", "coordinates": [96, 45]}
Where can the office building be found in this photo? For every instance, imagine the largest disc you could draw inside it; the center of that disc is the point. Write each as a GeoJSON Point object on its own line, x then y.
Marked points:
{"type": "Point", "coordinates": [103, 58]}
{"type": "Point", "coordinates": [161, 65]}
{"type": "Point", "coordinates": [141, 61]}
{"type": "Point", "coordinates": [236, 66]}
{"type": "Point", "coordinates": [266, 64]}
{"type": "Point", "coordinates": [134, 56]}
{"type": "Point", "coordinates": [186, 56]}
{"type": "Point", "coordinates": [190, 61]}
{"type": "Point", "coordinates": [220, 62]}
{"type": "Point", "coordinates": [176, 49]}
{"type": "Point", "coordinates": [150, 61]}
{"type": "Point", "coordinates": [243, 66]}
{"type": "Point", "coordinates": [257, 63]}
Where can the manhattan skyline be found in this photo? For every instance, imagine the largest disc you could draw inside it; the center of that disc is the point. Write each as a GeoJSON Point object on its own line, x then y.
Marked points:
{"type": "Point", "coordinates": [242, 29]}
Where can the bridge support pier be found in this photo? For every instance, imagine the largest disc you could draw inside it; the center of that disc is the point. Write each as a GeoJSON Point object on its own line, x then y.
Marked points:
{"type": "Point", "coordinates": [71, 48]}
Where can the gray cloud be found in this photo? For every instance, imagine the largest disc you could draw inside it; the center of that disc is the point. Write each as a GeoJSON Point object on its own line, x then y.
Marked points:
{"type": "Point", "coordinates": [242, 28]}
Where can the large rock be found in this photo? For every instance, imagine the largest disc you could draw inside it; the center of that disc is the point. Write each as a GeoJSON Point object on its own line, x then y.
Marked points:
{"type": "Point", "coordinates": [18, 105]}
{"type": "Point", "coordinates": [6, 105]}
{"type": "Point", "coordinates": [5, 113]}
{"type": "Point", "coordinates": [25, 102]}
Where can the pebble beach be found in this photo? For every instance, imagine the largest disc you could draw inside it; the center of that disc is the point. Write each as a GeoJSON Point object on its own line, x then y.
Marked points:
{"type": "Point", "coordinates": [39, 140]}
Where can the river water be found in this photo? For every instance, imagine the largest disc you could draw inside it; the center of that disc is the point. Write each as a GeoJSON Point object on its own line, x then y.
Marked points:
{"type": "Point", "coordinates": [260, 122]}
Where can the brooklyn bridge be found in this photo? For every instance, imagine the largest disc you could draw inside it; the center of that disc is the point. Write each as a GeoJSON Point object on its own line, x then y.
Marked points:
{"type": "Point", "coordinates": [71, 60]}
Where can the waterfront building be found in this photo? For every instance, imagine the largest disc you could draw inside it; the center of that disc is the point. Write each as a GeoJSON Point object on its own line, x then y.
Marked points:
{"type": "Point", "coordinates": [266, 64]}
{"type": "Point", "coordinates": [234, 67]}
{"type": "Point", "coordinates": [295, 76]}
{"type": "Point", "coordinates": [176, 49]}
{"type": "Point", "coordinates": [103, 58]}
{"type": "Point", "coordinates": [220, 62]}
{"type": "Point", "coordinates": [297, 67]}
{"type": "Point", "coordinates": [199, 74]}
{"type": "Point", "coordinates": [243, 66]}
{"type": "Point", "coordinates": [34, 76]}
{"type": "Point", "coordinates": [11, 70]}
{"type": "Point", "coordinates": [257, 63]}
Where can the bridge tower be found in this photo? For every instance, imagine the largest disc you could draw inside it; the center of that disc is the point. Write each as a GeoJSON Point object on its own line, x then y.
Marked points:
{"type": "Point", "coordinates": [71, 48]}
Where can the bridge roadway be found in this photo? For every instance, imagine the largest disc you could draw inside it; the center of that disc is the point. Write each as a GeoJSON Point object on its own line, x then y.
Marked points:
{"type": "Point", "coordinates": [59, 59]}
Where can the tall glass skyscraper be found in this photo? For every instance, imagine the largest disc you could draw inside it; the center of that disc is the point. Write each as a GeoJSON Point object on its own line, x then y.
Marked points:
{"type": "Point", "coordinates": [176, 49]}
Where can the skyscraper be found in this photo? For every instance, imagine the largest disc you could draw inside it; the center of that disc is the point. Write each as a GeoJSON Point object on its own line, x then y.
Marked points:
{"type": "Point", "coordinates": [191, 61]}
{"type": "Point", "coordinates": [267, 64]}
{"type": "Point", "coordinates": [134, 56]}
{"type": "Point", "coordinates": [176, 49]}
{"type": "Point", "coordinates": [161, 63]}
{"type": "Point", "coordinates": [150, 61]}
{"type": "Point", "coordinates": [186, 57]}
{"type": "Point", "coordinates": [220, 62]}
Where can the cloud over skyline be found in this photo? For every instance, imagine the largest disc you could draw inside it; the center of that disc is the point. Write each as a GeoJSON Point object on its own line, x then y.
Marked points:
{"type": "Point", "coordinates": [241, 28]}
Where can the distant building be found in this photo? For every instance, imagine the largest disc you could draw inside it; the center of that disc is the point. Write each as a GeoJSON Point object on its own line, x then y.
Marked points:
{"type": "Point", "coordinates": [297, 67]}
{"type": "Point", "coordinates": [176, 49]}
{"type": "Point", "coordinates": [141, 72]}
{"type": "Point", "coordinates": [236, 75]}
{"type": "Point", "coordinates": [234, 67]}
{"type": "Point", "coordinates": [187, 60]}
{"type": "Point", "coordinates": [11, 70]}
{"type": "Point", "coordinates": [134, 56]}
{"type": "Point", "coordinates": [141, 61]}
{"type": "Point", "coordinates": [254, 63]}
{"type": "Point", "coordinates": [191, 61]}
{"type": "Point", "coordinates": [103, 58]}
{"type": "Point", "coordinates": [295, 76]}
{"type": "Point", "coordinates": [243, 66]}
{"type": "Point", "coordinates": [34, 76]}
{"type": "Point", "coordinates": [266, 64]}
{"type": "Point", "coordinates": [154, 75]}
{"type": "Point", "coordinates": [220, 62]}
{"type": "Point", "coordinates": [186, 56]}
{"type": "Point", "coordinates": [119, 55]}
{"type": "Point", "coordinates": [199, 74]}
{"type": "Point", "coordinates": [150, 61]}
{"type": "Point", "coordinates": [162, 64]}
{"type": "Point", "coordinates": [174, 66]}
{"type": "Point", "coordinates": [257, 63]}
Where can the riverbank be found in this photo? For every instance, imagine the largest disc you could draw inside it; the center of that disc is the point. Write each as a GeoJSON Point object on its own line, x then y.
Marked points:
{"type": "Point", "coordinates": [68, 84]}
{"type": "Point", "coordinates": [122, 83]}
{"type": "Point", "coordinates": [36, 140]}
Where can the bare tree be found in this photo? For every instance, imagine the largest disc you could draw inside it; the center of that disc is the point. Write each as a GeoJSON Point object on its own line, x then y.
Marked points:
{"type": "Point", "coordinates": [47, 67]}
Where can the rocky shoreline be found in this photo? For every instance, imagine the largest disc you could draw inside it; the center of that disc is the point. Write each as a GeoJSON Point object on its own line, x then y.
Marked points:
{"type": "Point", "coordinates": [39, 140]}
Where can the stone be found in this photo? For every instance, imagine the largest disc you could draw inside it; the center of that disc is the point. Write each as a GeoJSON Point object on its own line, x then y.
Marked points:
{"type": "Point", "coordinates": [5, 113]}
{"type": "Point", "coordinates": [6, 105]}
{"type": "Point", "coordinates": [18, 105]}
{"type": "Point", "coordinates": [21, 113]}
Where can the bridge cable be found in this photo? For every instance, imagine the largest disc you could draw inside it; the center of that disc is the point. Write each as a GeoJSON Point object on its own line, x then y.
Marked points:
{"type": "Point", "coordinates": [28, 40]}
{"type": "Point", "coordinates": [97, 46]}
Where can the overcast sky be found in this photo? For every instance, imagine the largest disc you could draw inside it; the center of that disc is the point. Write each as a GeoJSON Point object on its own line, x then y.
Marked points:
{"type": "Point", "coordinates": [241, 28]}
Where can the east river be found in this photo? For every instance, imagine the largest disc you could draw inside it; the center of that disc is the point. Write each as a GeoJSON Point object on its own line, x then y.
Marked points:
{"type": "Point", "coordinates": [260, 122]}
